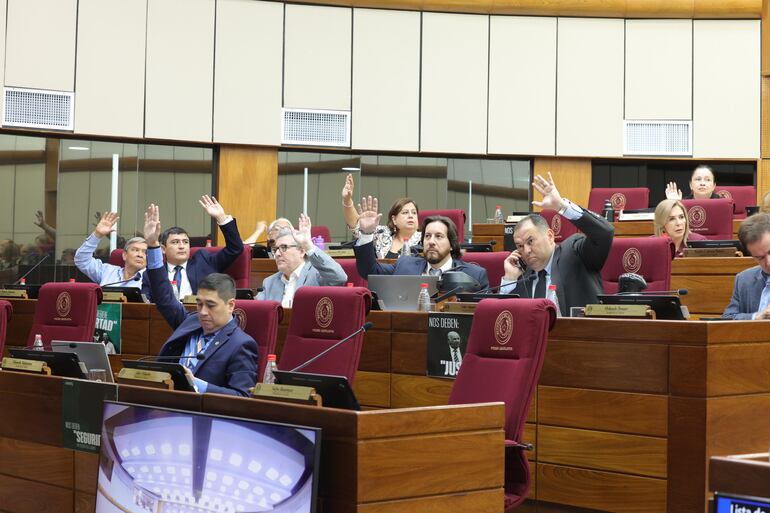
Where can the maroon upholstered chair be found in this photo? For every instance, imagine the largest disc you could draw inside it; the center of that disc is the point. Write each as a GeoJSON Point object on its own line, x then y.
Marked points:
{"type": "Point", "coordinates": [502, 362]}
{"type": "Point", "coordinates": [742, 196]}
{"type": "Point", "coordinates": [349, 266]}
{"type": "Point", "coordinates": [712, 218]}
{"type": "Point", "coordinates": [630, 198]}
{"type": "Point", "coordinates": [65, 311]}
{"type": "Point", "coordinates": [6, 309]}
{"type": "Point", "coordinates": [561, 226]}
{"type": "Point", "coordinates": [116, 257]}
{"type": "Point", "coordinates": [240, 270]}
{"type": "Point", "coordinates": [260, 319]}
{"type": "Point", "coordinates": [649, 257]}
{"type": "Point", "coordinates": [456, 215]}
{"type": "Point", "coordinates": [321, 230]}
{"type": "Point", "coordinates": [322, 316]}
{"type": "Point", "coordinates": [492, 261]}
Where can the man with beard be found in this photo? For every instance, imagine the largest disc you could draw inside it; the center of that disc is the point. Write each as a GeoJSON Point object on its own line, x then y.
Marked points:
{"type": "Point", "coordinates": [441, 249]}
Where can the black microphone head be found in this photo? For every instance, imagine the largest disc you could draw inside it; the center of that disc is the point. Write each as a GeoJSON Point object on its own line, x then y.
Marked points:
{"type": "Point", "coordinates": [200, 356]}
{"type": "Point", "coordinates": [367, 326]}
{"type": "Point", "coordinates": [136, 277]}
{"type": "Point", "coordinates": [682, 292]}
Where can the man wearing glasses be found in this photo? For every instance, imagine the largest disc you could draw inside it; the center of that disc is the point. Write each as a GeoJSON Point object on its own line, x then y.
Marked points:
{"type": "Point", "coordinates": [186, 271]}
{"type": "Point", "coordinates": [299, 263]}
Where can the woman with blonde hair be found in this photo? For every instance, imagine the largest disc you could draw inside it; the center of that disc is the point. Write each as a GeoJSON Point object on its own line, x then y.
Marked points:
{"type": "Point", "coordinates": [671, 221]}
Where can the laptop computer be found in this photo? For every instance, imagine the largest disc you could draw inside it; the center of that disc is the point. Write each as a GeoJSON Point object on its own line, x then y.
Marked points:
{"type": "Point", "coordinates": [92, 354]}
{"type": "Point", "coordinates": [335, 391]}
{"type": "Point", "coordinates": [399, 292]}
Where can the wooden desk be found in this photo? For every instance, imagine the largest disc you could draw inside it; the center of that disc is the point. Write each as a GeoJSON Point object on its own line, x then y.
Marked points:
{"type": "Point", "coordinates": [485, 232]}
{"type": "Point", "coordinates": [741, 474]}
{"type": "Point", "coordinates": [383, 461]}
{"type": "Point", "coordinates": [709, 282]}
{"type": "Point", "coordinates": [627, 413]}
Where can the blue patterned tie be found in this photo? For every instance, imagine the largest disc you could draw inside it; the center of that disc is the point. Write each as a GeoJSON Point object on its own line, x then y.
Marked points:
{"type": "Point", "coordinates": [178, 278]}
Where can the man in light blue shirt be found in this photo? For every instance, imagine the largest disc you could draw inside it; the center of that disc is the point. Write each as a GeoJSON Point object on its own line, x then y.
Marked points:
{"type": "Point", "coordinates": [134, 256]}
{"type": "Point", "coordinates": [751, 292]}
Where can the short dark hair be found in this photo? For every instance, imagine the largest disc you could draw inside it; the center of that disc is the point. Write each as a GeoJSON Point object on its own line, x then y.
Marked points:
{"type": "Point", "coordinates": [451, 233]}
{"type": "Point", "coordinates": [222, 284]}
{"type": "Point", "coordinates": [707, 168]}
{"type": "Point", "coordinates": [174, 230]}
{"type": "Point", "coordinates": [537, 221]}
{"type": "Point", "coordinates": [754, 228]}
{"type": "Point", "coordinates": [394, 211]}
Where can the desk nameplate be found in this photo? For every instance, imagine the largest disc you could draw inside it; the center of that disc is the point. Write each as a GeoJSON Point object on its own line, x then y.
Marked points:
{"type": "Point", "coordinates": [23, 365]}
{"type": "Point", "coordinates": [14, 293]}
{"type": "Point", "coordinates": [634, 311]}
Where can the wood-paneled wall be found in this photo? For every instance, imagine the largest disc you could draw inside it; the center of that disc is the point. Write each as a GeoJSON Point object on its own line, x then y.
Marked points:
{"type": "Point", "coordinates": [247, 184]}
{"type": "Point", "coordinates": [572, 177]}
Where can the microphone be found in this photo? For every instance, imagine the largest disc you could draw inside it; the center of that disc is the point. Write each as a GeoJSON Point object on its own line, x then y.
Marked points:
{"type": "Point", "coordinates": [199, 356]}
{"type": "Point", "coordinates": [33, 268]}
{"type": "Point", "coordinates": [677, 292]}
{"type": "Point", "coordinates": [135, 277]}
{"type": "Point", "coordinates": [366, 327]}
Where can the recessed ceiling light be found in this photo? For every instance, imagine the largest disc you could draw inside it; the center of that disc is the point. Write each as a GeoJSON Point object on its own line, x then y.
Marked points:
{"type": "Point", "coordinates": [78, 148]}
{"type": "Point", "coordinates": [351, 169]}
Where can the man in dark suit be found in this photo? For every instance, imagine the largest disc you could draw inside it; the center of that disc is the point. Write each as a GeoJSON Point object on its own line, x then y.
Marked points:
{"type": "Point", "coordinates": [229, 363]}
{"type": "Point", "coordinates": [187, 271]}
{"type": "Point", "coordinates": [441, 249]}
{"type": "Point", "coordinates": [574, 266]}
{"type": "Point", "coordinates": [751, 292]}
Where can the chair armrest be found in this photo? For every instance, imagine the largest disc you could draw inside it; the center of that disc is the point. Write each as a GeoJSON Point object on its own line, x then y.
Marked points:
{"type": "Point", "coordinates": [519, 445]}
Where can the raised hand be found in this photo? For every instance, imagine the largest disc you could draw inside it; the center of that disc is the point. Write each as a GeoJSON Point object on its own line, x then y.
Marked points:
{"type": "Point", "coordinates": [347, 191]}
{"type": "Point", "coordinates": [213, 208]}
{"type": "Point", "coordinates": [106, 224]}
{"type": "Point", "coordinates": [152, 228]}
{"type": "Point", "coordinates": [512, 267]}
{"type": "Point", "coordinates": [672, 191]}
{"type": "Point", "coordinates": [551, 197]}
{"type": "Point", "coordinates": [302, 233]}
{"type": "Point", "coordinates": [368, 215]}
{"type": "Point", "coordinates": [39, 219]}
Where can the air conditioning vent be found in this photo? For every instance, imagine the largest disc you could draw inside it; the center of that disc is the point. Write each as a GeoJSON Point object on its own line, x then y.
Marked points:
{"type": "Point", "coordinates": [657, 138]}
{"type": "Point", "coordinates": [38, 108]}
{"type": "Point", "coordinates": [316, 127]}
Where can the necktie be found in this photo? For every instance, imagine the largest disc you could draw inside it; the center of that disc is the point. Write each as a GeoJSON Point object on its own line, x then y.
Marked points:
{"type": "Point", "coordinates": [434, 272]}
{"type": "Point", "coordinates": [456, 357]}
{"type": "Point", "coordinates": [178, 278]}
{"type": "Point", "coordinates": [200, 345]}
{"type": "Point", "coordinates": [540, 287]}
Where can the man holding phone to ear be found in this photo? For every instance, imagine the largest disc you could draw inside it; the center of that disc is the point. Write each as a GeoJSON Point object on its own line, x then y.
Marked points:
{"type": "Point", "coordinates": [574, 266]}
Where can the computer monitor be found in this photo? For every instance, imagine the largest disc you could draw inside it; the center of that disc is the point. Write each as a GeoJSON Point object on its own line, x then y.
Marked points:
{"type": "Point", "coordinates": [132, 294]}
{"type": "Point", "coordinates": [335, 391]}
{"type": "Point", "coordinates": [156, 459]}
{"type": "Point", "coordinates": [66, 365]}
{"type": "Point", "coordinates": [717, 244]}
{"type": "Point", "coordinates": [92, 354]}
{"type": "Point", "coordinates": [666, 307]}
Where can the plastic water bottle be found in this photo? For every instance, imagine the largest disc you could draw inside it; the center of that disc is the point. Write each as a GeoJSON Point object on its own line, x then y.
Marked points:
{"type": "Point", "coordinates": [609, 212]}
{"type": "Point", "coordinates": [208, 243]}
{"type": "Point", "coordinates": [499, 215]}
{"type": "Point", "coordinates": [405, 249]}
{"type": "Point", "coordinates": [423, 299]}
{"type": "Point", "coordinates": [319, 242]}
{"type": "Point", "coordinates": [37, 345]}
{"type": "Point", "coordinates": [551, 294]}
{"type": "Point", "coordinates": [269, 377]}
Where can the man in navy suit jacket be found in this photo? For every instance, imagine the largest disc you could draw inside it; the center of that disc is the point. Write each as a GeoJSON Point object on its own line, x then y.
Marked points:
{"type": "Point", "coordinates": [751, 293]}
{"type": "Point", "coordinates": [229, 363]}
{"type": "Point", "coordinates": [440, 247]}
{"type": "Point", "coordinates": [187, 271]}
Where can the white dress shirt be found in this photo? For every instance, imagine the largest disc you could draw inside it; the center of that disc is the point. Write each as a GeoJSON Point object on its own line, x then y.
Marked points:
{"type": "Point", "coordinates": [290, 287]}
{"type": "Point", "coordinates": [185, 289]}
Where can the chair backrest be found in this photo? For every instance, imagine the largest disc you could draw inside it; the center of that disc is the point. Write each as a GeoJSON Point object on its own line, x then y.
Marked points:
{"type": "Point", "coordinates": [491, 261]}
{"type": "Point", "coordinates": [349, 266]}
{"type": "Point", "coordinates": [6, 309]}
{"type": "Point", "coordinates": [456, 215]}
{"type": "Point", "coordinates": [321, 230]}
{"type": "Point", "coordinates": [712, 218]}
{"type": "Point", "coordinates": [649, 257]}
{"type": "Point", "coordinates": [502, 362]}
{"type": "Point", "coordinates": [630, 198]}
{"type": "Point", "coordinates": [561, 226]}
{"type": "Point", "coordinates": [116, 257]}
{"type": "Point", "coordinates": [742, 196]}
{"type": "Point", "coordinates": [322, 316]}
{"type": "Point", "coordinates": [65, 311]}
{"type": "Point", "coordinates": [239, 270]}
{"type": "Point", "coordinates": [260, 320]}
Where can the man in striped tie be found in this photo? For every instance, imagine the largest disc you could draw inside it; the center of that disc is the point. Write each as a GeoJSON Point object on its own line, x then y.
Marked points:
{"type": "Point", "coordinates": [212, 347]}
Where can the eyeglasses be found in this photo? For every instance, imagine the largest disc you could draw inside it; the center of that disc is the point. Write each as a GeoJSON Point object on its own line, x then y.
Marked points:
{"type": "Point", "coordinates": [283, 247]}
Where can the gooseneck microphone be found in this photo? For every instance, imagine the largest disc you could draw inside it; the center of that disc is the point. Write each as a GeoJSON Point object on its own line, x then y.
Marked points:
{"type": "Point", "coordinates": [135, 277]}
{"type": "Point", "coordinates": [678, 292]}
{"type": "Point", "coordinates": [366, 327]}
{"type": "Point", "coordinates": [199, 356]}
{"type": "Point", "coordinates": [33, 268]}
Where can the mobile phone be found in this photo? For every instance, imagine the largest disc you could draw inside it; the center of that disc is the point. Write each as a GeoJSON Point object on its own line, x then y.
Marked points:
{"type": "Point", "coordinates": [521, 265]}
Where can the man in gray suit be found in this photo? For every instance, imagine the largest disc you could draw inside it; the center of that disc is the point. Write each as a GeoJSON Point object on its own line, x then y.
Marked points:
{"type": "Point", "coordinates": [751, 292]}
{"type": "Point", "coordinates": [574, 266]}
{"type": "Point", "coordinates": [299, 263]}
